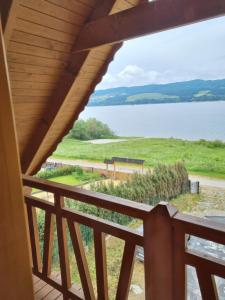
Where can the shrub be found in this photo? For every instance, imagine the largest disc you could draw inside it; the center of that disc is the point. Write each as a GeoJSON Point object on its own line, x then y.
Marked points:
{"type": "Point", "coordinates": [46, 174]}
{"type": "Point", "coordinates": [90, 129]}
{"type": "Point", "coordinates": [211, 144]}
{"type": "Point", "coordinates": [165, 183]}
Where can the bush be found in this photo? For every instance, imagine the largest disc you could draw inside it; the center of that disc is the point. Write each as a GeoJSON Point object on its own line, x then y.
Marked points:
{"type": "Point", "coordinates": [90, 129]}
{"type": "Point", "coordinates": [165, 183]}
{"type": "Point", "coordinates": [46, 174]}
{"type": "Point", "coordinates": [211, 144]}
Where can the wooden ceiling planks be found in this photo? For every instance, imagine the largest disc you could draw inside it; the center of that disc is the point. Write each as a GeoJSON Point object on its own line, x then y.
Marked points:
{"type": "Point", "coordinates": [56, 11]}
{"type": "Point", "coordinates": [20, 48]}
{"type": "Point", "coordinates": [39, 43]}
{"type": "Point", "coordinates": [63, 103]}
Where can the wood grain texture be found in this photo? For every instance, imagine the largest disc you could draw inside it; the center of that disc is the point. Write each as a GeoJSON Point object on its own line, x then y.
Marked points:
{"type": "Point", "coordinates": [151, 18]}
{"type": "Point", "coordinates": [81, 260]}
{"type": "Point", "coordinates": [48, 244]}
{"type": "Point", "coordinates": [62, 244]}
{"type": "Point", "coordinates": [61, 98]}
{"type": "Point", "coordinates": [34, 238]}
{"type": "Point", "coordinates": [15, 268]}
{"type": "Point", "coordinates": [101, 265]}
{"type": "Point", "coordinates": [126, 271]}
{"type": "Point", "coordinates": [159, 253]}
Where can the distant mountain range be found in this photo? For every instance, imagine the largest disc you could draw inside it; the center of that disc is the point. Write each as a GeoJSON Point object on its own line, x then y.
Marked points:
{"type": "Point", "coordinates": [188, 91]}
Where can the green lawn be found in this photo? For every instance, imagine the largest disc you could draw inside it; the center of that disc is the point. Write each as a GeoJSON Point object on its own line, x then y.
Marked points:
{"type": "Point", "coordinates": [67, 179]}
{"type": "Point", "coordinates": [202, 157]}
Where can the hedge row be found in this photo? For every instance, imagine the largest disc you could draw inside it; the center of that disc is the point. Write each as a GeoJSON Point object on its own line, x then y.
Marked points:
{"type": "Point", "coordinates": [62, 171]}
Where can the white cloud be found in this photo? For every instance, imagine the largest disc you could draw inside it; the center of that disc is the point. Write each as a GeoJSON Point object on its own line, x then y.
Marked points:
{"type": "Point", "coordinates": [133, 75]}
{"type": "Point", "coordinates": [189, 52]}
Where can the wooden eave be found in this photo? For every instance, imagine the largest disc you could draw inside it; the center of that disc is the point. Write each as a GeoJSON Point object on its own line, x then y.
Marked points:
{"type": "Point", "coordinates": [59, 50]}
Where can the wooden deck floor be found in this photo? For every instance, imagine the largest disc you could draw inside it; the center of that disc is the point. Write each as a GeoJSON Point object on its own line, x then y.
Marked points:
{"type": "Point", "coordinates": [42, 290]}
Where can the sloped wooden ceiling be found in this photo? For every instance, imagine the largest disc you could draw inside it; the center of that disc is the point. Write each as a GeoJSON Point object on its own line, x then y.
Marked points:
{"type": "Point", "coordinates": [50, 84]}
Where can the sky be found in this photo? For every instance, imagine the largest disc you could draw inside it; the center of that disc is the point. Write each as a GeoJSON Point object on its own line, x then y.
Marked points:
{"type": "Point", "coordinates": [190, 52]}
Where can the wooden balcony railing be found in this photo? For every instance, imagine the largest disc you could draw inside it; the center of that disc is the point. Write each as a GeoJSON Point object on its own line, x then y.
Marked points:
{"type": "Point", "coordinates": [166, 254]}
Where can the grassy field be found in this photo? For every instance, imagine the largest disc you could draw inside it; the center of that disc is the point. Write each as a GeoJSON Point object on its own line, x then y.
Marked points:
{"type": "Point", "coordinates": [67, 179]}
{"type": "Point", "coordinates": [200, 157]}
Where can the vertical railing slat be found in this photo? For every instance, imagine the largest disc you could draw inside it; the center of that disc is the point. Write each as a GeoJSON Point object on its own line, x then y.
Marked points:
{"type": "Point", "coordinates": [48, 244]}
{"type": "Point", "coordinates": [207, 284]}
{"type": "Point", "coordinates": [126, 271]}
{"type": "Point", "coordinates": [34, 238]}
{"type": "Point", "coordinates": [62, 243]}
{"type": "Point", "coordinates": [101, 265]}
{"type": "Point", "coordinates": [81, 260]}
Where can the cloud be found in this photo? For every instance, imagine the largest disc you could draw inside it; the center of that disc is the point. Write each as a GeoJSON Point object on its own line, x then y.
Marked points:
{"type": "Point", "coordinates": [185, 53]}
{"type": "Point", "coordinates": [133, 75]}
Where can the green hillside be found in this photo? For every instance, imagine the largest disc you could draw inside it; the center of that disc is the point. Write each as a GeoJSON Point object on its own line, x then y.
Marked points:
{"type": "Point", "coordinates": [188, 91]}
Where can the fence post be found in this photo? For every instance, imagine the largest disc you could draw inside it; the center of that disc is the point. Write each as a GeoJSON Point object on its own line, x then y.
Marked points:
{"type": "Point", "coordinates": [158, 253]}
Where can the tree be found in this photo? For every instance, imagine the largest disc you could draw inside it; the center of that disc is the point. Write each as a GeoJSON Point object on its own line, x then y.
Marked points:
{"type": "Point", "coordinates": [90, 129]}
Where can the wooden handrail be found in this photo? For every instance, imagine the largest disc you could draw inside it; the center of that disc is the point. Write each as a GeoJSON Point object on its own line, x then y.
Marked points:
{"type": "Point", "coordinates": [206, 266]}
{"type": "Point", "coordinates": [66, 217]}
{"type": "Point", "coordinates": [166, 254]}
{"type": "Point", "coordinates": [200, 227]}
{"type": "Point", "coordinates": [120, 205]}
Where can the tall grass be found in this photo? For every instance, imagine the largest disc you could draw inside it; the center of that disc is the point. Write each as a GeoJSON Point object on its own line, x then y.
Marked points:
{"type": "Point", "coordinates": [164, 183]}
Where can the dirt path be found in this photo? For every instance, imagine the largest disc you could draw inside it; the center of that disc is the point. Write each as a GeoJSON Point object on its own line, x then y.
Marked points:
{"type": "Point", "coordinates": [95, 165]}
{"type": "Point", "coordinates": [208, 181]}
{"type": "Point", "coordinates": [204, 181]}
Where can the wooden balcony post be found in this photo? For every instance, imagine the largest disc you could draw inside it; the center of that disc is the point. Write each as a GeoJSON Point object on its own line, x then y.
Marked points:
{"type": "Point", "coordinates": [15, 268]}
{"type": "Point", "coordinates": [158, 253]}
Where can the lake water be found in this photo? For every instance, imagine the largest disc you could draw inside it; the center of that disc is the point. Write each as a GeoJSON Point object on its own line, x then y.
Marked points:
{"type": "Point", "coordinates": [192, 121]}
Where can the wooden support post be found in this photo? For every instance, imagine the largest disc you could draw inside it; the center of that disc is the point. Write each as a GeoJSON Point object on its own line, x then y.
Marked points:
{"type": "Point", "coordinates": [158, 253]}
{"type": "Point", "coordinates": [15, 268]}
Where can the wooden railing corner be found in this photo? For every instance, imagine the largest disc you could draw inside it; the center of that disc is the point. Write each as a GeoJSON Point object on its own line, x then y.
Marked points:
{"type": "Point", "coordinates": [158, 252]}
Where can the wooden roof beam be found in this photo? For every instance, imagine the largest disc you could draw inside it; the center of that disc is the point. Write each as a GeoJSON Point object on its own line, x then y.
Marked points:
{"type": "Point", "coordinates": [147, 18]}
